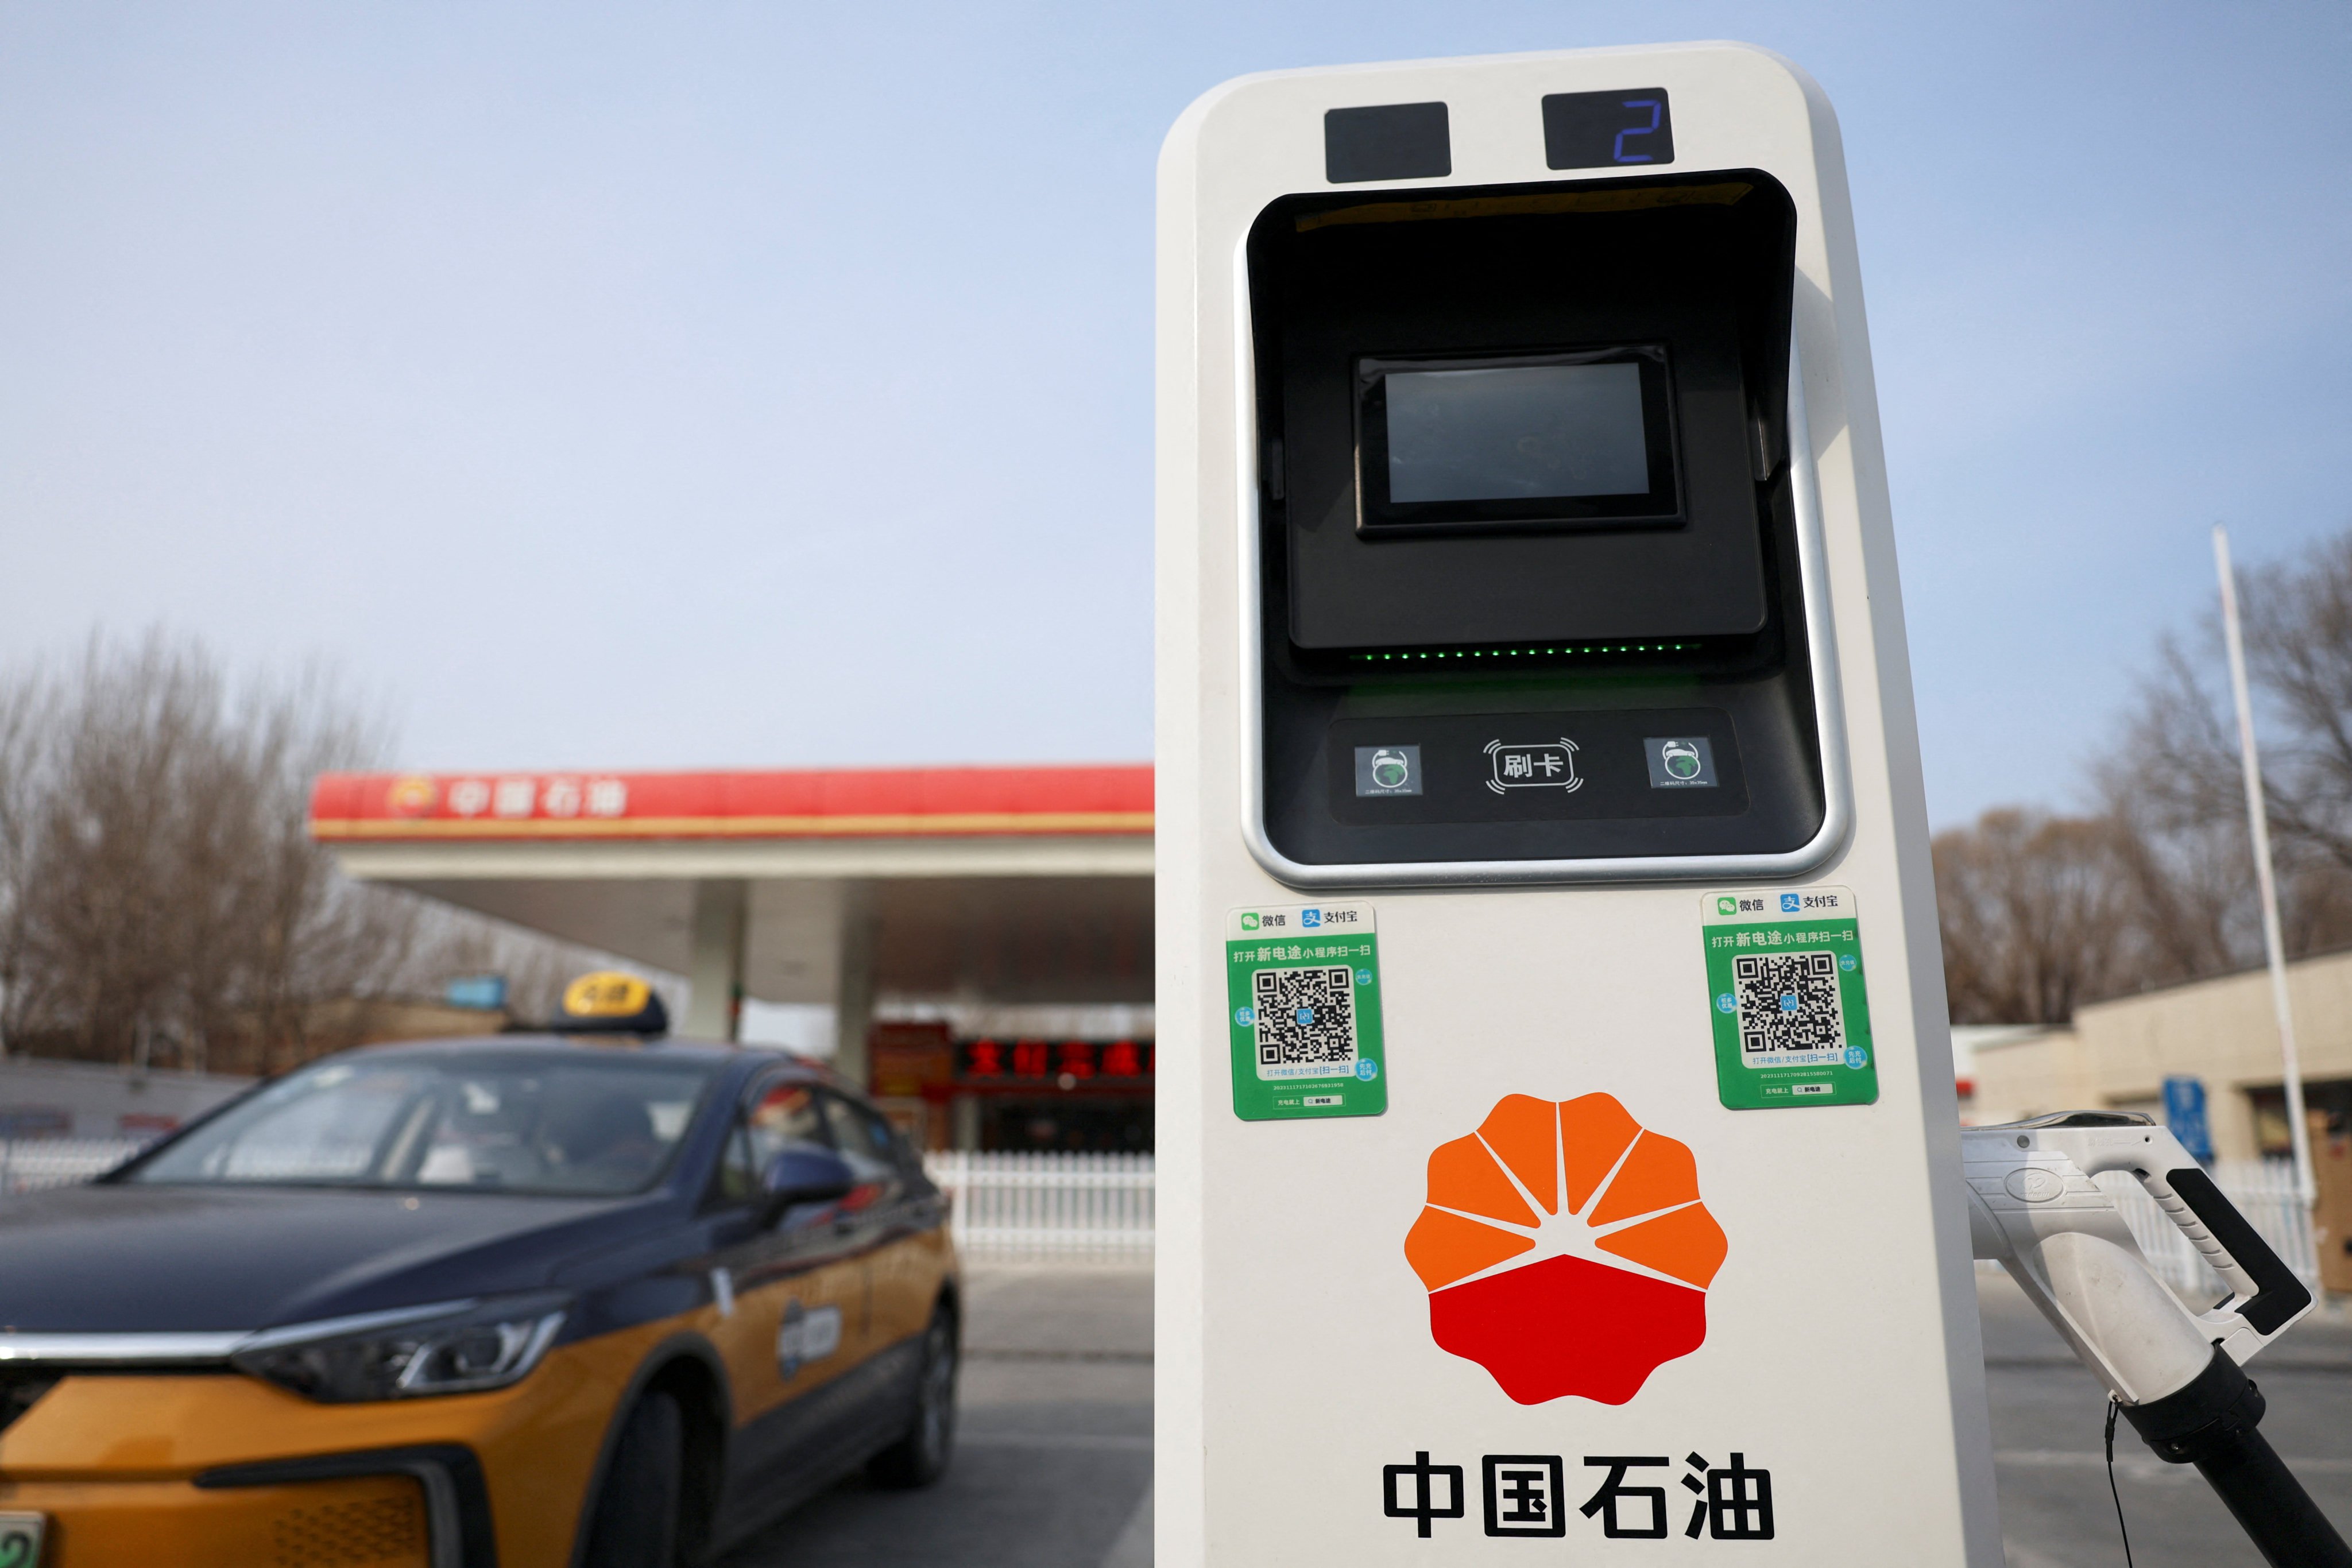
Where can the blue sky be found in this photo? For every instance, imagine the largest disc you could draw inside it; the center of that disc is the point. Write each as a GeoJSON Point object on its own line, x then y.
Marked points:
{"type": "Point", "coordinates": [733, 384]}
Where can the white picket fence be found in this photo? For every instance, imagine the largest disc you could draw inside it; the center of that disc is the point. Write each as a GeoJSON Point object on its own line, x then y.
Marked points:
{"type": "Point", "coordinates": [1098, 1208]}
{"type": "Point", "coordinates": [1092, 1209]}
{"type": "Point", "coordinates": [27, 1164]}
{"type": "Point", "coordinates": [2262, 1190]}
{"type": "Point", "coordinates": [1064, 1209]}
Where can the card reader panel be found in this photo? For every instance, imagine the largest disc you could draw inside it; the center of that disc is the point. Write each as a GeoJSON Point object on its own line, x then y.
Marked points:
{"type": "Point", "coordinates": [1582, 641]}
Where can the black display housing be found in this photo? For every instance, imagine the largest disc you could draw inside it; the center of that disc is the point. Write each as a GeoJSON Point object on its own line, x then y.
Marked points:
{"type": "Point", "coordinates": [1680, 616]}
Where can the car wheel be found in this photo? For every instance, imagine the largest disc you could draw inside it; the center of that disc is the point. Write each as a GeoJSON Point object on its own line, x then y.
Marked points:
{"type": "Point", "coordinates": [635, 1525]}
{"type": "Point", "coordinates": [920, 1457]}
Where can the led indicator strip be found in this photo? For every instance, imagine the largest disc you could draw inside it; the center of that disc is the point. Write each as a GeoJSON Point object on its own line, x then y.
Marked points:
{"type": "Point", "coordinates": [1526, 652]}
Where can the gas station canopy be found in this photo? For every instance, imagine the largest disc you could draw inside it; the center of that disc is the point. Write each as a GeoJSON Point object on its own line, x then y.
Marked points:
{"type": "Point", "coordinates": [992, 885]}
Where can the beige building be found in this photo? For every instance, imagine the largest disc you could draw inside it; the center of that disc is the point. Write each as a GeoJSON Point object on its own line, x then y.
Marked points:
{"type": "Point", "coordinates": [2116, 1054]}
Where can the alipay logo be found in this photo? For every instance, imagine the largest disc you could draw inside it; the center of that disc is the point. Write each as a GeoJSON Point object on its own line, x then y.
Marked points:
{"type": "Point", "coordinates": [1789, 902]}
{"type": "Point", "coordinates": [1310, 917]}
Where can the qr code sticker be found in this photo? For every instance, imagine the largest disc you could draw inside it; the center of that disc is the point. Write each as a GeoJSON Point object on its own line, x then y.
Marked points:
{"type": "Point", "coordinates": [1790, 1012]}
{"type": "Point", "coordinates": [1305, 1022]}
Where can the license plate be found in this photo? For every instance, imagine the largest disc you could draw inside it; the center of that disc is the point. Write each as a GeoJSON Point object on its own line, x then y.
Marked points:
{"type": "Point", "coordinates": [20, 1539]}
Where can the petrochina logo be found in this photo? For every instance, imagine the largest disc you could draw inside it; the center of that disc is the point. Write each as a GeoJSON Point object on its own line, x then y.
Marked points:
{"type": "Point", "coordinates": [1566, 1249]}
{"type": "Point", "coordinates": [411, 797]}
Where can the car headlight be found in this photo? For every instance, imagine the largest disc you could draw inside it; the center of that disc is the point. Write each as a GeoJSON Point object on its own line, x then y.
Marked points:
{"type": "Point", "coordinates": [457, 1347]}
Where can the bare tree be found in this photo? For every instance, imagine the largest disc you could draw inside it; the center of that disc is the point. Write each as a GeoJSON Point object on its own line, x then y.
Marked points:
{"type": "Point", "coordinates": [161, 899]}
{"type": "Point", "coordinates": [2299, 650]}
{"type": "Point", "coordinates": [2035, 911]}
{"type": "Point", "coordinates": [2176, 781]}
{"type": "Point", "coordinates": [2041, 913]}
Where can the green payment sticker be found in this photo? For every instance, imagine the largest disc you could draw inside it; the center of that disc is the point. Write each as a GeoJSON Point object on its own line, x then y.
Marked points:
{"type": "Point", "coordinates": [1787, 989]}
{"type": "Point", "coordinates": [1303, 1008]}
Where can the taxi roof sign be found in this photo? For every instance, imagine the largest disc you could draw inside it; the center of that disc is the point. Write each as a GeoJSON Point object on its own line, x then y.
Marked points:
{"type": "Point", "coordinates": [610, 1001]}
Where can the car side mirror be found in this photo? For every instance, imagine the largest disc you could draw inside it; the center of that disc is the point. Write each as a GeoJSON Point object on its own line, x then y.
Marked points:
{"type": "Point", "coordinates": [803, 1175]}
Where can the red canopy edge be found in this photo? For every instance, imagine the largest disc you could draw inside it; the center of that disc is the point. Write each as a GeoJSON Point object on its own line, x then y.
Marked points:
{"type": "Point", "coordinates": [850, 802]}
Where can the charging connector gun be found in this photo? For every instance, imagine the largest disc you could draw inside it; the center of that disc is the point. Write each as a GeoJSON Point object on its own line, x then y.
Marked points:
{"type": "Point", "coordinates": [2176, 1374]}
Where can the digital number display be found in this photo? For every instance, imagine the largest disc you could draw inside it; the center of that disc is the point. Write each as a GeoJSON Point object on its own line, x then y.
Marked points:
{"type": "Point", "coordinates": [1608, 129]}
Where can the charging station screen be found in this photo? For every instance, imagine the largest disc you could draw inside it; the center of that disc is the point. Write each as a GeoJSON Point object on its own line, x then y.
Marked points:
{"type": "Point", "coordinates": [1554, 438]}
{"type": "Point", "coordinates": [1547, 430]}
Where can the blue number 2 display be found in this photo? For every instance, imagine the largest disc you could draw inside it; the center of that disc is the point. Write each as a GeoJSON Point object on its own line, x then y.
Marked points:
{"type": "Point", "coordinates": [1657, 108]}
{"type": "Point", "coordinates": [1605, 130]}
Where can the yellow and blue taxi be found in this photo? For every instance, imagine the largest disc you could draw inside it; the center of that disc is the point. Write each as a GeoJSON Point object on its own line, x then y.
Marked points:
{"type": "Point", "coordinates": [567, 1300]}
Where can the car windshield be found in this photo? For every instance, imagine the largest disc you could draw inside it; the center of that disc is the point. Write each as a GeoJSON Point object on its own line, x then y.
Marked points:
{"type": "Point", "coordinates": [585, 1126]}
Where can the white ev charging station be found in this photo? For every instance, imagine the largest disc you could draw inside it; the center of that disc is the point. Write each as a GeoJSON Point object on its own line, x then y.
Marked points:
{"type": "Point", "coordinates": [1556, 1115]}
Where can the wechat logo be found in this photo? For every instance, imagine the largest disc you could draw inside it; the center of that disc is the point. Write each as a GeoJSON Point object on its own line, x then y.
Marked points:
{"type": "Point", "coordinates": [1722, 907]}
{"type": "Point", "coordinates": [1249, 922]}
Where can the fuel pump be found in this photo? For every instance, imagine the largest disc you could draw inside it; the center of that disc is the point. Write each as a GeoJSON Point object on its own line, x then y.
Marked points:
{"type": "Point", "coordinates": [2176, 1374]}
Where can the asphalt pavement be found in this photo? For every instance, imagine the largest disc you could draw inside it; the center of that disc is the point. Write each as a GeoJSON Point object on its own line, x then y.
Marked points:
{"type": "Point", "coordinates": [1053, 1467]}
{"type": "Point", "coordinates": [1052, 1461]}
{"type": "Point", "coordinates": [2048, 1415]}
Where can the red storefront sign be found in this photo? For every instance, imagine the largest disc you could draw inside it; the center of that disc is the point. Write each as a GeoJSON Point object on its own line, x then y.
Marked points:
{"type": "Point", "coordinates": [1101, 1064]}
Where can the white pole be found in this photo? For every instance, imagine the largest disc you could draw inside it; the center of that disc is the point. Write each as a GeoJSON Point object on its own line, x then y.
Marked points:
{"type": "Point", "coordinates": [2259, 821]}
